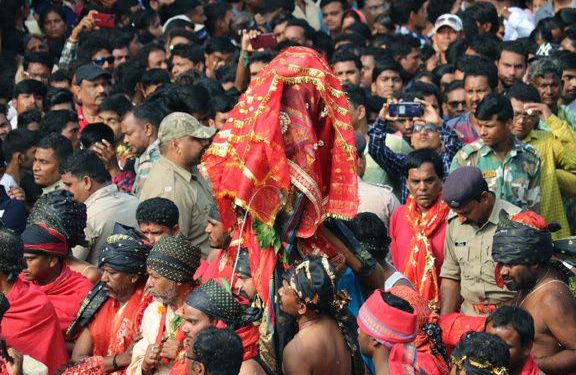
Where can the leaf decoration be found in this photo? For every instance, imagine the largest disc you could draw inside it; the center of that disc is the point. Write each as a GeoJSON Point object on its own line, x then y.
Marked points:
{"type": "Point", "coordinates": [267, 236]}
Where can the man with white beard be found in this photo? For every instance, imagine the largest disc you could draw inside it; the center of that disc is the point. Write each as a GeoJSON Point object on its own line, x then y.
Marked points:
{"type": "Point", "coordinates": [171, 266]}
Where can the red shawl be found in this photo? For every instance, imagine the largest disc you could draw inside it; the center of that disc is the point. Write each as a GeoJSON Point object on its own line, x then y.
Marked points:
{"type": "Point", "coordinates": [420, 268]}
{"type": "Point", "coordinates": [113, 329]}
{"type": "Point", "coordinates": [66, 293]}
{"type": "Point", "coordinates": [530, 367]}
{"type": "Point", "coordinates": [31, 326]}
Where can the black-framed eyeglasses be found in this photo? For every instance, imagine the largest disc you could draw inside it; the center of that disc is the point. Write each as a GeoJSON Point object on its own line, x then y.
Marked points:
{"type": "Point", "coordinates": [102, 60]}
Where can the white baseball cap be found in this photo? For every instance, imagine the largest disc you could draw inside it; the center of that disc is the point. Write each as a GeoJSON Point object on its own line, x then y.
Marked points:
{"type": "Point", "coordinates": [450, 20]}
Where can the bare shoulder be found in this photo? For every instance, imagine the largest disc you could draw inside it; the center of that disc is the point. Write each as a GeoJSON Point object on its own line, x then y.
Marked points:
{"type": "Point", "coordinates": [555, 304]}
{"type": "Point", "coordinates": [295, 359]}
{"type": "Point", "coordinates": [251, 367]}
{"type": "Point", "coordinates": [557, 295]}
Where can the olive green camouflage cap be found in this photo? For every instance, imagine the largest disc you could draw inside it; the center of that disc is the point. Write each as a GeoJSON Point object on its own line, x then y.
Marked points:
{"type": "Point", "coordinates": [179, 124]}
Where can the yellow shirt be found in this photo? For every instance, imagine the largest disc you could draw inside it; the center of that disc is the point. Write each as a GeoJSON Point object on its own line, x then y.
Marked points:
{"type": "Point", "coordinates": [557, 151]}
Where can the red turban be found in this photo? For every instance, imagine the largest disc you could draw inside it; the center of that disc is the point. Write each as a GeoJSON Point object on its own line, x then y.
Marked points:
{"type": "Point", "coordinates": [393, 328]}
{"type": "Point", "coordinates": [531, 219]}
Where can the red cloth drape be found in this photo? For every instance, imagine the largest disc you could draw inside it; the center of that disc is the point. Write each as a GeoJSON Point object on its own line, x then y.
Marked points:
{"type": "Point", "coordinates": [291, 126]}
{"type": "Point", "coordinates": [456, 325]}
{"type": "Point", "coordinates": [113, 333]}
{"type": "Point", "coordinates": [427, 360]}
{"type": "Point", "coordinates": [530, 367]}
{"type": "Point", "coordinates": [31, 326]}
{"type": "Point", "coordinates": [66, 293]}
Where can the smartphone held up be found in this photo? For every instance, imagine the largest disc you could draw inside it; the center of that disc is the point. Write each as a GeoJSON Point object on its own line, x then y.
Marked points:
{"type": "Point", "coordinates": [263, 41]}
{"type": "Point", "coordinates": [406, 109]}
{"type": "Point", "coordinates": [104, 20]}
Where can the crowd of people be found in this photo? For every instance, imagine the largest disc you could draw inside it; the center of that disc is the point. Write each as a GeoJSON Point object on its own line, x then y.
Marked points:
{"type": "Point", "coordinates": [288, 187]}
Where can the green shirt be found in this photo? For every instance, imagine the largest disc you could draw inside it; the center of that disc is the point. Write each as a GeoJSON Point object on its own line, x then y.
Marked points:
{"type": "Point", "coordinates": [515, 179]}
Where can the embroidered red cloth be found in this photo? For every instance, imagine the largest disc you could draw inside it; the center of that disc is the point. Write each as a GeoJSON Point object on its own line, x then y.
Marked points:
{"type": "Point", "coordinates": [420, 268]}
{"type": "Point", "coordinates": [291, 127]}
{"type": "Point", "coordinates": [287, 147]}
{"type": "Point", "coordinates": [31, 326]}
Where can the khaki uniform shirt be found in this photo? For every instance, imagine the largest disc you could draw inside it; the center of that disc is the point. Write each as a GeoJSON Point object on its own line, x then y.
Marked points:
{"type": "Point", "coordinates": [190, 192]}
{"type": "Point", "coordinates": [380, 200]}
{"type": "Point", "coordinates": [104, 208]}
{"type": "Point", "coordinates": [55, 186]}
{"type": "Point", "coordinates": [468, 258]}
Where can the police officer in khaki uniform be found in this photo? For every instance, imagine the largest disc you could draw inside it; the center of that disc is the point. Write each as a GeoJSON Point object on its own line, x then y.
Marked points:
{"type": "Point", "coordinates": [468, 269]}
{"type": "Point", "coordinates": [175, 175]}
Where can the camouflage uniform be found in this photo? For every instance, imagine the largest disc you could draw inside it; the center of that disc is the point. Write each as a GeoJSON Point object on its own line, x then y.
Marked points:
{"type": "Point", "coordinates": [515, 179]}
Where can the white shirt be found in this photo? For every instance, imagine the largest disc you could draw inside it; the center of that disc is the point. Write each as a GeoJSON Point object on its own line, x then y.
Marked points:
{"type": "Point", "coordinates": [8, 182]}
{"type": "Point", "coordinates": [519, 24]}
{"type": "Point", "coordinates": [149, 329]}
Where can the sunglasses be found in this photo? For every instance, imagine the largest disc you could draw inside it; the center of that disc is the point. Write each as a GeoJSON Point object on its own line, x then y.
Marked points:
{"type": "Point", "coordinates": [456, 104]}
{"type": "Point", "coordinates": [102, 60]}
{"type": "Point", "coordinates": [429, 128]}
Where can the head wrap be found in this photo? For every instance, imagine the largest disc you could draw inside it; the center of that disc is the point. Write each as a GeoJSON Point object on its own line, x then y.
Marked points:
{"type": "Point", "coordinates": [59, 211]}
{"type": "Point", "coordinates": [243, 263]}
{"type": "Point", "coordinates": [40, 238]}
{"type": "Point", "coordinates": [313, 280]}
{"type": "Point", "coordinates": [11, 259]}
{"type": "Point", "coordinates": [473, 354]}
{"type": "Point", "coordinates": [387, 324]}
{"type": "Point", "coordinates": [522, 239]}
{"type": "Point", "coordinates": [565, 250]}
{"type": "Point", "coordinates": [215, 301]}
{"type": "Point", "coordinates": [175, 258]}
{"type": "Point", "coordinates": [4, 305]}
{"type": "Point", "coordinates": [213, 213]}
{"type": "Point", "coordinates": [393, 328]}
{"type": "Point", "coordinates": [125, 250]}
